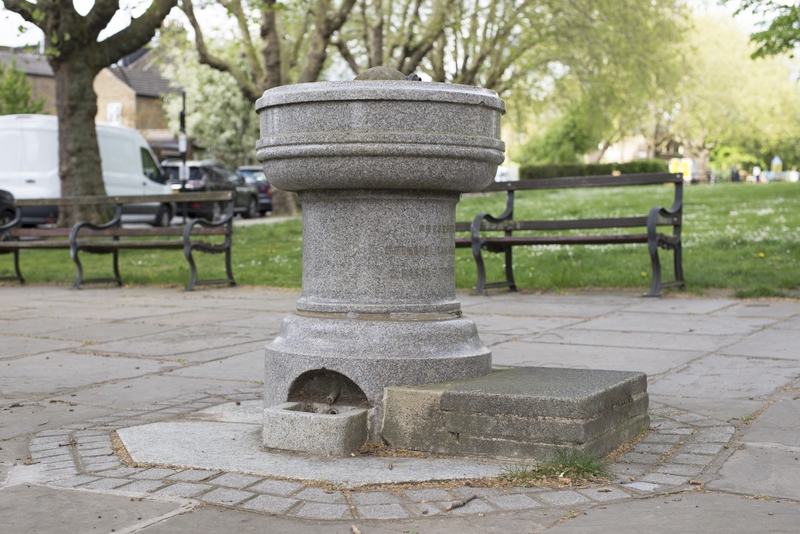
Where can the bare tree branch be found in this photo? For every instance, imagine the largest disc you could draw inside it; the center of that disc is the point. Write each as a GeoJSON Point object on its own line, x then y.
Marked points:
{"type": "Point", "coordinates": [246, 86]}
{"type": "Point", "coordinates": [344, 51]}
{"type": "Point", "coordinates": [135, 36]}
{"type": "Point", "coordinates": [24, 9]}
{"type": "Point", "coordinates": [235, 7]}
{"type": "Point", "coordinates": [99, 17]}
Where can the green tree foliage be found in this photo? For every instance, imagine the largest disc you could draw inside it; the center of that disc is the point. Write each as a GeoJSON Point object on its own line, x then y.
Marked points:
{"type": "Point", "coordinates": [218, 117]}
{"type": "Point", "coordinates": [726, 98]}
{"type": "Point", "coordinates": [600, 74]}
{"type": "Point", "coordinates": [15, 92]}
{"type": "Point", "coordinates": [783, 33]}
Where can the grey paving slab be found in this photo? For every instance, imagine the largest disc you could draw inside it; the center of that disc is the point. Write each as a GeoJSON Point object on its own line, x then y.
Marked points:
{"type": "Point", "coordinates": [142, 486]}
{"type": "Point", "coordinates": [266, 322]}
{"type": "Point", "coordinates": [536, 306]}
{"type": "Point", "coordinates": [76, 511]}
{"type": "Point", "coordinates": [643, 340]}
{"type": "Point", "coordinates": [665, 479]}
{"type": "Point", "coordinates": [183, 489]}
{"type": "Point", "coordinates": [227, 496]}
{"type": "Point", "coordinates": [321, 495]}
{"type": "Point", "coordinates": [246, 367]}
{"type": "Point", "coordinates": [476, 506]}
{"type": "Point", "coordinates": [683, 306]}
{"type": "Point", "coordinates": [193, 475]}
{"type": "Point", "coordinates": [141, 392]}
{"type": "Point", "coordinates": [719, 409]}
{"type": "Point", "coordinates": [789, 324]}
{"type": "Point", "coordinates": [513, 502]}
{"type": "Point", "coordinates": [680, 324]}
{"type": "Point", "coordinates": [777, 424]}
{"type": "Point", "coordinates": [727, 377]}
{"type": "Point", "coordinates": [604, 494]}
{"type": "Point", "coordinates": [506, 324]}
{"type": "Point", "coordinates": [198, 343]}
{"type": "Point", "coordinates": [375, 497]}
{"type": "Point", "coordinates": [382, 511]}
{"type": "Point", "coordinates": [235, 480]}
{"type": "Point", "coordinates": [562, 498]}
{"type": "Point", "coordinates": [782, 310]}
{"type": "Point", "coordinates": [189, 316]}
{"type": "Point", "coordinates": [679, 469]}
{"type": "Point", "coordinates": [428, 494]}
{"type": "Point", "coordinates": [35, 417]}
{"type": "Point", "coordinates": [760, 470]}
{"type": "Point", "coordinates": [315, 510]}
{"type": "Point", "coordinates": [283, 488]}
{"type": "Point", "coordinates": [784, 344]}
{"type": "Point", "coordinates": [49, 328]}
{"type": "Point", "coordinates": [709, 513]}
{"type": "Point", "coordinates": [649, 361]}
{"type": "Point", "coordinates": [270, 504]}
{"type": "Point", "coordinates": [16, 346]}
{"type": "Point", "coordinates": [154, 473]}
{"type": "Point", "coordinates": [54, 371]}
{"type": "Point", "coordinates": [107, 483]}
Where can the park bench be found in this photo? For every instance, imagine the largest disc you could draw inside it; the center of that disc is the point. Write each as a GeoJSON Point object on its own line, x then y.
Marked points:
{"type": "Point", "coordinates": [484, 228]}
{"type": "Point", "coordinates": [111, 237]}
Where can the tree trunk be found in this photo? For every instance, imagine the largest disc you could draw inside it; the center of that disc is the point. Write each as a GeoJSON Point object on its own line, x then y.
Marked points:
{"type": "Point", "coordinates": [283, 202]}
{"type": "Point", "coordinates": [78, 152]}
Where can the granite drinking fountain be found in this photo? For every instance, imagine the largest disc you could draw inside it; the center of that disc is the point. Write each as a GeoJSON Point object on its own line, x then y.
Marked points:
{"type": "Point", "coordinates": [378, 347]}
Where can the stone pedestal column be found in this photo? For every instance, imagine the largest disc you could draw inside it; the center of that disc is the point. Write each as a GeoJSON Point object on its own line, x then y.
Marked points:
{"type": "Point", "coordinates": [379, 167]}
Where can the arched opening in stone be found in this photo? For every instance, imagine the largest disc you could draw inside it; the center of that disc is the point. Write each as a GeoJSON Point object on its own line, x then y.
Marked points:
{"type": "Point", "coordinates": [326, 387]}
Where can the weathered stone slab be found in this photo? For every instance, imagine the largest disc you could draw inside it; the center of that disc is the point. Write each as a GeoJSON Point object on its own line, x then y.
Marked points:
{"type": "Point", "coordinates": [519, 413]}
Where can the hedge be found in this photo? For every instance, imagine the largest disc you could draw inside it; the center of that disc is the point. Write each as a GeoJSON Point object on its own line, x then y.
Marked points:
{"type": "Point", "coordinates": [530, 172]}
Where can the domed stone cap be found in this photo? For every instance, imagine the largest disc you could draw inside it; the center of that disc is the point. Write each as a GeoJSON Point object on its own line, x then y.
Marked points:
{"type": "Point", "coordinates": [381, 73]}
{"type": "Point", "coordinates": [380, 134]}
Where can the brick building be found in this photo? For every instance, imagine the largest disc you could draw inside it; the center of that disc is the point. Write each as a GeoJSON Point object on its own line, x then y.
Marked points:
{"type": "Point", "coordinates": [39, 74]}
{"type": "Point", "coordinates": [128, 94]}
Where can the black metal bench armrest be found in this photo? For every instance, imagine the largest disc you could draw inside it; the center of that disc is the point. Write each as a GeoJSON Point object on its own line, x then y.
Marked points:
{"type": "Point", "coordinates": [73, 234]}
{"type": "Point", "coordinates": [225, 221]}
{"type": "Point", "coordinates": [16, 221]}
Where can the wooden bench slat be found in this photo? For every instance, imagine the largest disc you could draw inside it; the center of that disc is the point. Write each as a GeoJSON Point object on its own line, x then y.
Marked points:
{"type": "Point", "coordinates": [622, 180]}
{"type": "Point", "coordinates": [32, 244]}
{"type": "Point", "coordinates": [212, 196]}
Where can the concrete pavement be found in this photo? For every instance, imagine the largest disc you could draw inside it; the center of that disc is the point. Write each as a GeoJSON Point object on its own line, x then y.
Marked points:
{"type": "Point", "coordinates": [724, 380]}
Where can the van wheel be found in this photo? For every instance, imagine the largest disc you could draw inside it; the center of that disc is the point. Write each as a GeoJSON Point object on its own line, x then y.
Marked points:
{"type": "Point", "coordinates": [252, 209]}
{"type": "Point", "coordinates": [163, 216]}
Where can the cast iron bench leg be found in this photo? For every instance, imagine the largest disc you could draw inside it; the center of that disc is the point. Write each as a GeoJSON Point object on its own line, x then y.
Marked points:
{"type": "Point", "coordinates": [678, 259]}
{"type": "Point", "coordinates": [512, 285]}
{"type": "Point", "coordinates": [476, 253]}
{"type": "Point", "coordinates": [187, 251]}
{"type": "Point", "coordinates": [655, 286]}
{"type": "Point", "coordinates": [228, 267]}
{"type": "Point", "coordinates": [79, 279]}
{"type": "Point", "coordinates": [116, 268]}
{"type": "Point", "coordinates": [16, 267]}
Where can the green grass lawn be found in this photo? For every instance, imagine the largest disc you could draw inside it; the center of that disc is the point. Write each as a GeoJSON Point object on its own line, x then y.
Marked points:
{"type": "Point", "coordinates": [741, 238]}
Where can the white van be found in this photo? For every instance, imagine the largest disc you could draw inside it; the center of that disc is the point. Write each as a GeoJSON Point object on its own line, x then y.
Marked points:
{"type": "Point", "coordinates": [29, 166]}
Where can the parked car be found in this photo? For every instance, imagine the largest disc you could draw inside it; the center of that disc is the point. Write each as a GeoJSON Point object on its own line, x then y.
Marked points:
{"type": "Point", "coordinates": [254, 174]}
{"type": "Point", "coordinates": [211, 175]}
{"type": "Point", "coordinates": [29, 169]}
{"type": "Point", "coordinates": [7, 211]}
